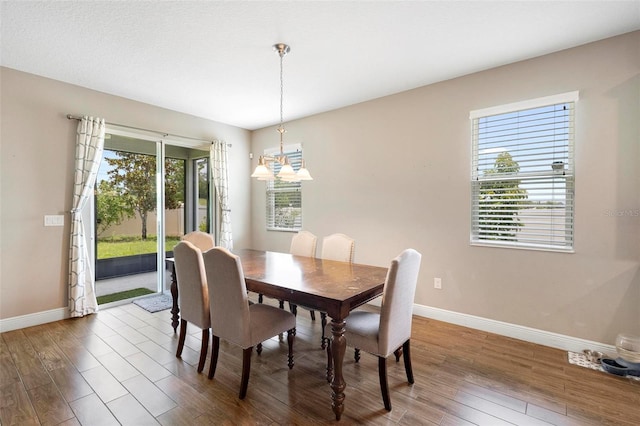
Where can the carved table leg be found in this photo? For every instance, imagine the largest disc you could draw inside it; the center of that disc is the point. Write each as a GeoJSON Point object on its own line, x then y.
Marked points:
{"type": "Point", "coordinates": [338, 348]}
{"type": "Point", "coordinates": [174, 295]}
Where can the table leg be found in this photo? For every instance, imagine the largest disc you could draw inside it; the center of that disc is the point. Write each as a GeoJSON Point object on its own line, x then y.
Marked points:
{"type": "Point", "coordinates": [175, 317]}
{"type": "Point", "coordinates": [338, 348]}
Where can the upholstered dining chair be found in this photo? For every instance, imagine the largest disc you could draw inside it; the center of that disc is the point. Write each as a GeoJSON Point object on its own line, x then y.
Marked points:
{"type": "Point", "coordinates": [384, 333]}
{"type": "Point", "coordinates": [338, 247]}
{"type": "Point", "coordinates": [200, 239]}
{"type": "Point", "coordinates": [304, 244]}
{"type": "Point", "coordinates": [234, 319]}
{"type": "Point", "coordinates": [194, 295]}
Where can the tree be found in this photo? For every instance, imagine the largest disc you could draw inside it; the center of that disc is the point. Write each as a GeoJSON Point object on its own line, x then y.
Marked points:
{"type": "Point", "coordinates": [111, 206]}
{"type": "Point", "coordinates": [134, 175]}
{"type": "Point", "coordinates": [501, 200]}
{"type": "Point", "coordinates": [203, 180]}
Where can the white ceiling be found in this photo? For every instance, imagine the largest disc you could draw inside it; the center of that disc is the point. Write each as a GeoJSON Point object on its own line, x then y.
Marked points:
{"type": "Point", "coordinates": [214, 59]}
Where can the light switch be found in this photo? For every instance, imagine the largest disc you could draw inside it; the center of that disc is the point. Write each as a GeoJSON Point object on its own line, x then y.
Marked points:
{"type": "Point", "coordinates": [53, 220]}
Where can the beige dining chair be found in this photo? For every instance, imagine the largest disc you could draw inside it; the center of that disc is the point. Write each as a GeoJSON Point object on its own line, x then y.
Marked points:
{"type": "Point", "coordinates": [338, 247]}
{"type": "Point", "coordinates": [194, 295]}
{"type": "Point", "coordinates": [234, 319]}
{"type": "Point", "coordinates": [303, 244]}
{"type": "Point", "coordinates": [202, 240]}
{"type": "Point", "coordinates": [384, 333]}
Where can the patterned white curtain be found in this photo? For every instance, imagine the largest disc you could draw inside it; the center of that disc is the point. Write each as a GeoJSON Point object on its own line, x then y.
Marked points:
{"type": "Point", "coordinates": [218, 158]}
{"type": "Point", "coordinates": [90, 143]}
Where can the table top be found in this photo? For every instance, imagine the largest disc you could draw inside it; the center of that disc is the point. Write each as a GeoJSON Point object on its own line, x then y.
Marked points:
{"type": "Point", "coordinates": [325, 285]}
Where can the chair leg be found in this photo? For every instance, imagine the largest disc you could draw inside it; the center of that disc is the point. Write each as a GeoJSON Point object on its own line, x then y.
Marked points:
{"type": "Point", "coordinates": [384, 386]}
{"type": "Point", "coordinates": [398, 354]}
{"type": "Point", "coordinates": [407, 361]}
{"type": "Point", "coordinates": [203, 349]}
{"type": "Point", "coordinates": [323, 322]}
{"type": "Point", "coordinates": [260, 298]}
{"type": "Point", "coordinates": [215, 346]}
{"type": "Point", "coordinates": [246, 369]}
{"type": "Point", "coordinates": [313, 315]}
{"type": "Point", "coordinates": [329, 362]}
{"type": "Point", "coordinates": [259, 348]}
{"type": "Point", "coordinates": [291, 334]}
{"type": "Point", "coordinates": [293, 309]}
{"type": "Point", "coordinates": [356, 354]}
{"type": "Point", "coordinates": [183, 334]}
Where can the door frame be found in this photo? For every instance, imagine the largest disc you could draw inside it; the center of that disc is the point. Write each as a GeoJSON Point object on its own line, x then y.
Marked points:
{"type": "Point", "coordinates": [161, 142]}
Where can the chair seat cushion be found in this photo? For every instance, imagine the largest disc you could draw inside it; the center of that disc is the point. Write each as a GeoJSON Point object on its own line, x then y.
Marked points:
{"type": "Point", "coordinates": [361, 331]}
{"type": "Point", "coordinates": [267, 321]}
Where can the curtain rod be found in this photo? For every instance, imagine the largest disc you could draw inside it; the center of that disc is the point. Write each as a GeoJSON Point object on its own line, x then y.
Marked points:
{"type": "Point", "coordinates": [163, 134]}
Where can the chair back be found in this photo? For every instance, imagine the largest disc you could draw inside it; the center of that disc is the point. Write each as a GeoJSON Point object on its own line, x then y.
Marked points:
{"type": "Point", "coordinates": [228, 300]}
{"type": "Point", "coordinates": [200, 239]}
{"type": "Point", "coordinates": [338, 247]}
{"type": "Point", "coordinates": [192, 284]}
{"type": "Point", "coordinates": [304, 244]}
{"type": "Point", "coordinates": [397, 301]}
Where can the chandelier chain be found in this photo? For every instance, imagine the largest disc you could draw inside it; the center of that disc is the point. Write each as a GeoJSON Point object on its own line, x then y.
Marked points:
{"type": "Point", "coordinates": [281, 91]}
{"type": "Point", "coordinates": [281, 129]}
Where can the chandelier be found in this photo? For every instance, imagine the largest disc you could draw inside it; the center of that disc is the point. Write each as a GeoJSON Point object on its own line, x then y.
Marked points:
{"type": "Point", "coordinates": [286, 173]}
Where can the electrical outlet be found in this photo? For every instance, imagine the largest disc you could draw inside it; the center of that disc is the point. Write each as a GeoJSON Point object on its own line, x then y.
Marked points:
{"type": "Point", "coordinates": [437, 283]}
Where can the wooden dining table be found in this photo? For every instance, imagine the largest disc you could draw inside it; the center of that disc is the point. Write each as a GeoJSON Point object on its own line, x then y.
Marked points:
{"type": "Point", "coordinates": [323, 285]}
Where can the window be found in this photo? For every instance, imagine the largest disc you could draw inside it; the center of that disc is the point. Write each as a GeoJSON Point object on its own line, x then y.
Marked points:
{"type": "Point", "coordinates": [284, 199]}
{"type": "Point", "coordinates": [201, 194]}
{"type": "Point", "coordinates": [522, 179]}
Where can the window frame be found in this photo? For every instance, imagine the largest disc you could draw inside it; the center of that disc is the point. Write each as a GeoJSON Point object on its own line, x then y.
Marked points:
{"type": "Point", "coordinates": [566, 176]}
{"type": "Point", "coordinates": [294, 152]}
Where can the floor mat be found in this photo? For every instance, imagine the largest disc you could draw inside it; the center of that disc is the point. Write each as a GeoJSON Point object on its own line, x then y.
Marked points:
{"type": "Point", "coordinates": [155, 303]}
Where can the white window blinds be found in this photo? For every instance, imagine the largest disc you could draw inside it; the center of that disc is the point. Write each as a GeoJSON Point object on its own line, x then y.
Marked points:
{"type": "Point", "coordinates": [523, 174]}
{"type": "Point", "coordinates": [284, 199]}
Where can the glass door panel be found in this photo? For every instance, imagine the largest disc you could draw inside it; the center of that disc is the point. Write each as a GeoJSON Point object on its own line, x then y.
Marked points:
{"type": "Point", "coordinates": [203, 194]}
{"type": "Point", "coordinates": [125, 203]}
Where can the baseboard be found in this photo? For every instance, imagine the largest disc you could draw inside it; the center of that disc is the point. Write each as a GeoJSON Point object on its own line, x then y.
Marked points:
{"type": "Point", "coordinates": [29, 320]}
{"type": "Point", "coordinates": [541, 337]}
{"type": "Point", "coordinates": [515, 331]}
{"type": "Point", "coordinates": [37, 318]}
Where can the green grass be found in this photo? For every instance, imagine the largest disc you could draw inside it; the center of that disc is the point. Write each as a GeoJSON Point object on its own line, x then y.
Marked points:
{"type": "Point", "coordinates": [108, 298]}
{"type": "Point", "coordinates": [129, 246]}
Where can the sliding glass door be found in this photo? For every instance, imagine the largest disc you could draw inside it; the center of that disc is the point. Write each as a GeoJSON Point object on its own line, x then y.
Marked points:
{"type": "Point", "coordinates": [148, 195]}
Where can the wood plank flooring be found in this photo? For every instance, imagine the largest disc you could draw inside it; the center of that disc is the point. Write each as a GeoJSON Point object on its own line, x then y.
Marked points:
{"type": "Point", "coordinates": [119, 367]}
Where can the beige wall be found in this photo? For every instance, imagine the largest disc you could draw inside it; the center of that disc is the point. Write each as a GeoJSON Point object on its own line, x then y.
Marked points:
{"type": "Point", "coordinates": [394, 173]}
{"type": "Point", "coordinates": [36, 171]}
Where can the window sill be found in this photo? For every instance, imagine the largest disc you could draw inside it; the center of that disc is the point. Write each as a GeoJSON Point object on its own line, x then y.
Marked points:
{"type": "Point", "coordinates": [514, 246]}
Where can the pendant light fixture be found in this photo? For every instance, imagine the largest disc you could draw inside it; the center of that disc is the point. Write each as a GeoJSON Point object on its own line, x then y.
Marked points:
{"type": "Point", "coordinates": [287, 174]}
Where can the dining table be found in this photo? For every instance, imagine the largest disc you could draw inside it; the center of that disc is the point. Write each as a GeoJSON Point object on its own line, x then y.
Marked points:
{"type": "Point", "coordinates": [335, 288]}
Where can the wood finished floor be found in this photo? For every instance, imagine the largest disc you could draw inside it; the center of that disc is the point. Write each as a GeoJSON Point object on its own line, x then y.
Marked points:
{"type": "Point", "coordinates": [119, 366]}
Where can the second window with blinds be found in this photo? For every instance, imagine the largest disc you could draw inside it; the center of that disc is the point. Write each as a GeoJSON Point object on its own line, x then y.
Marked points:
{"type": "Point", "coordinates": [284, 199]}
{"type": "Point", "coordinates": [522, 178]}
